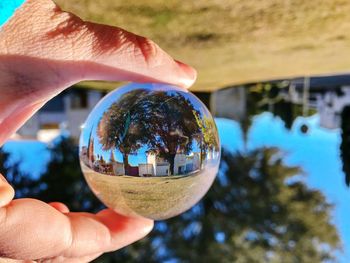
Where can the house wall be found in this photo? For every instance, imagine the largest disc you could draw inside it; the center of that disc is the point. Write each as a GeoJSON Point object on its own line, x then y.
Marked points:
{"type": "Point", "coordinates": [51, 118]}
{"type": "Point", "coordinates": [182, 164]}
{"type": "Point", "coordinates": [196, 161]}
{"type": "Point", "coordinates": [75, 118]}
{"type": "Point", "coordinates": [162, 170]}
{"type": "Point", "coordinates": [180, 161]}
{"type": "Point", "coordinates": [193, 163]}
{"type": "Point", "coordinates": [30, 128]}
{"type": "Point", "coordinates": [118, 168]}
{"type": "Point", "coordinates": [151, 159]}
{"type": "Point", "coordinates": [330, 107]}
{"type": "Point", "coordinates": [221, 99]}
{"type": "Point", "coordinates": [146, 169]}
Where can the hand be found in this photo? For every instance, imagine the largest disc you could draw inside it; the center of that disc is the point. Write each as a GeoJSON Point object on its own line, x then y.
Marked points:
{"type": "Point", "coordinates": [43, 51]}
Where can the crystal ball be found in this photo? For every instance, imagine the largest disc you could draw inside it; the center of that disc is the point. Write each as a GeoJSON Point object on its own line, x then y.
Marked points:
{"type": "Point", "coordinates": [149, 150]}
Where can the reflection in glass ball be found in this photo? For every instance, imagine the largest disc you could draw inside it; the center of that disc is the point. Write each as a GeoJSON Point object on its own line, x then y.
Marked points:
{"type": "Point", "coordinates": [150, 150]}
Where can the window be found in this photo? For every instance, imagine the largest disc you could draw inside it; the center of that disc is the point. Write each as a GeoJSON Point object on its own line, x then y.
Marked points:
{"type": "Point", "coordinates": [181, 169]}
{"type": "Point", "coordinates": [79, 99]}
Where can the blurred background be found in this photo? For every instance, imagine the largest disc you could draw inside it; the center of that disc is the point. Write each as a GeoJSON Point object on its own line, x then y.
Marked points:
{"type": "Point", "coordinates": [274, 75]}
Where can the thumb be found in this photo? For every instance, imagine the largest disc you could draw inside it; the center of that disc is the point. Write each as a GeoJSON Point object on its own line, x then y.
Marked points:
{"type": "Point", "coordinates": [100, 52]}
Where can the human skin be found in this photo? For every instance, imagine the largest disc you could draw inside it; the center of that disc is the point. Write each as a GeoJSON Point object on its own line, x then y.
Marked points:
{"type": "Point", "coordinates": [44, 50]}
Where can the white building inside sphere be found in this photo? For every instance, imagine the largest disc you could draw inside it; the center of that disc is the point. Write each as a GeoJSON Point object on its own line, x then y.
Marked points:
{"type": "Point", "coordinates": [118, 168]}
{"type": "Point", "coordinates": [146, 169]}
{"type": "Point", "coordinates": [183, 164]}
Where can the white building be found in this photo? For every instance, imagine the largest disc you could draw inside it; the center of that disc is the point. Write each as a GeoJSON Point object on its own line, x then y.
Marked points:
{"type": "Point", "coordinates": [160, 166]}
{"type": "Point", "coordinates": [180, 163]}
{"type": "Point", "coordinates": [146, 169]}
{"type": "Point", "coordinates": [67, 111]}
{"type": "Point", "coordinates": [193, 162]}
{"type": "Point", "coordinates": [118, 168]}
{"type": "Point", "coordinates": [183, 164]}
{"type": "Point", "coordinates": [329, 103]}
{"type": "Point", "coordinates": [330, 106]}
{"type": "Point", "coordinates": [229, 103]}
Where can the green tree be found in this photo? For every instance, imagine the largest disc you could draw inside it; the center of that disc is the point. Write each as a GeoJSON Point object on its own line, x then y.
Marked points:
{"type": "Point", "coordinates": [122, 126]}
{"type": "Point", "coordinates": [172, 125]}
{"type": "Point", "coordinates": [162, 121]}
{"type": "Point", "coordinates": [208, 138]}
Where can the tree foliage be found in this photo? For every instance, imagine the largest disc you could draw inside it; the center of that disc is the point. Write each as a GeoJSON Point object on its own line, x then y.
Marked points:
{"type": "Point", "coordinates": [121, 125]}
{"type": "Point", "coordinates": [164, 122]}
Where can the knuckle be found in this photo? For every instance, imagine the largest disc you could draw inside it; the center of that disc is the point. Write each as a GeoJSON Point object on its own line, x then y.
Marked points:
{"type": "Point", "coordinates": [148, 50]}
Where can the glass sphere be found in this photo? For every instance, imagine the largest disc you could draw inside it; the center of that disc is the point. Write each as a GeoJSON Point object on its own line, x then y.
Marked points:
{"type": "Point", "coordinates": [149, 150]}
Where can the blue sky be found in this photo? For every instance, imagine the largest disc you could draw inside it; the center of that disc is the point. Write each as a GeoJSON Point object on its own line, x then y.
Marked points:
{"type": "Point", "coordinates": [32, 155]}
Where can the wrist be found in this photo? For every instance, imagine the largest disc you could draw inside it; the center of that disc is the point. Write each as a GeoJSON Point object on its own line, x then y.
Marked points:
{"type": "Point", "coordinates": [8, 9]}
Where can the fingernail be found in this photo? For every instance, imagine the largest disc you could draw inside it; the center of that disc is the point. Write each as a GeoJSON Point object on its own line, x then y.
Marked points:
{"type": "Point", "coordinates": [6, 195]}
{"type": "Point", "coordinates": [147, 227]}
{"type": "Point", "coordinates": [191, 74]}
